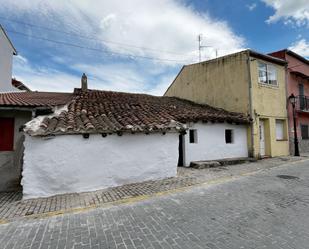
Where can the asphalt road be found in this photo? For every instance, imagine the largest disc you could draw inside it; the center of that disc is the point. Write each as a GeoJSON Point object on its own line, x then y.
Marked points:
{"type": "Point", "coordinates": [269, 209]}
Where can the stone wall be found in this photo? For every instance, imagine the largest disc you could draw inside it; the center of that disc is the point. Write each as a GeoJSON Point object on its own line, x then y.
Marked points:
{"type": "Point", "coordinates": [71, 163]}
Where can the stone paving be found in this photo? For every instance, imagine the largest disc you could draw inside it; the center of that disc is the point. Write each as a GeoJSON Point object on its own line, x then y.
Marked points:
{"type": "Point", "coordinates": [269, 209]}
{"type": "Point", "coordinates": [12, 207]}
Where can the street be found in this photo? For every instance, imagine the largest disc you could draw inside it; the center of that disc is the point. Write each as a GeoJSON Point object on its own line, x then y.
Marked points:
{"type": "Point", "coordinates": [268, 209]}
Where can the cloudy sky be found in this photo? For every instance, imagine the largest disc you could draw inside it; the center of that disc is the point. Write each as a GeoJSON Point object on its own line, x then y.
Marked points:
{"type": "Point", "coordinates": [139, 45]}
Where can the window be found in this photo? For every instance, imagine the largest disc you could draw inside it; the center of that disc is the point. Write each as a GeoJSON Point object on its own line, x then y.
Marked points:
{"type": "Point", "coordinates": [280, 129]}
{"type": "Point", "coordinates": [304, 131]}
{"type": "Point", "coordinates": [229, 136]}
{"type": "Point", "coordinates": [267, 74]}
{"type": "Point", "coordinates": [6, 134]}
{"type": "Point", "coordinates": [193, 136]}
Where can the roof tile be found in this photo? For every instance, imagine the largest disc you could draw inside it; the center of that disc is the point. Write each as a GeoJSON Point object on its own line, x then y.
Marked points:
{"type": "Point", "coordinates": [97, 111]}
{"type": "Point", "coordinates": [34, 99]}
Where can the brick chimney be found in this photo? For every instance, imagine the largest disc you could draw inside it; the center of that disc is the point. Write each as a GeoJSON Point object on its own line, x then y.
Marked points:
{"type": "Point", "coordinates": [84, 82]}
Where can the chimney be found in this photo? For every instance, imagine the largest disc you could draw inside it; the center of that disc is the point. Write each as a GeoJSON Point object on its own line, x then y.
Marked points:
{"type": "Point", "coordinates": [84, 82]}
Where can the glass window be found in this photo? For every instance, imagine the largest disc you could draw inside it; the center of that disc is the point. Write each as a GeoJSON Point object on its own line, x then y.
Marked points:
{"type": "Point", "coordinates": [267, 74]}
{"type": "Point", "coordinates": [272, 75]}
{"type": "Point", "coordinates": [262, 73]}
{"type": "Point", "coordinates": [229, 136]}
{"type": "Point", "coordinates": [193, 136]}
{"type": "Point", "coordinates": [279, 129]}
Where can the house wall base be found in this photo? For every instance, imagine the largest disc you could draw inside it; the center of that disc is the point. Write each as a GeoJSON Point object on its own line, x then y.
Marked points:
{"type": "Point", "coordinates": [303, 145]}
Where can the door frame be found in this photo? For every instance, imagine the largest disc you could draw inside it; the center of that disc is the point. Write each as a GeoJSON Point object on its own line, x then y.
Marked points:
{"type": "Point", "coordinates": [262, 133]}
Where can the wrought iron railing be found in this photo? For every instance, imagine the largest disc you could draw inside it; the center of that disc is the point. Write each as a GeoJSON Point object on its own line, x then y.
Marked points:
{"type": "Point", "coordinates": [303, 103]}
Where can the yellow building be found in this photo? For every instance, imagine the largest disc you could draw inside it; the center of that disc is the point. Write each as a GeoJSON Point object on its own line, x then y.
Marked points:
{"type": "Point", "coordinates": [246, 82]}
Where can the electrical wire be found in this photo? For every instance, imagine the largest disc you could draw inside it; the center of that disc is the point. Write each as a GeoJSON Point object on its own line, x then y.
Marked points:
{"type": "Point", "coordinates": [94, 49]}
{"type": "Point", "coordinates": [91, 38]}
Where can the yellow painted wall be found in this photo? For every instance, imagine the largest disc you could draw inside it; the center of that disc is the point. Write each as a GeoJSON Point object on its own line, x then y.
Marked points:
{"type": "Point", "coordinates": [225, 82]}
{"type": "Point", "coordinates": [222, 82]}
{"type": "Point", "coordinates": [269, 103]}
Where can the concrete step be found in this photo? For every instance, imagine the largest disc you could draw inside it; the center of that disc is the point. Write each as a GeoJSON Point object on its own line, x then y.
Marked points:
{"type": "Point", "coordinates": [221, 162]}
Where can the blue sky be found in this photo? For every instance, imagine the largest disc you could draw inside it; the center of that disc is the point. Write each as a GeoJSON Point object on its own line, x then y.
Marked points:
{"type": "Point", "coordinates": [138, 45]}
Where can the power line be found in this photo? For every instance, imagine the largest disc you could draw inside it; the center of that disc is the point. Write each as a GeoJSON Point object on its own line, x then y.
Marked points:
{"type": "Point", "coordinates": [94, 49]}
{"type": "Point", "coordinates": [92, 38]}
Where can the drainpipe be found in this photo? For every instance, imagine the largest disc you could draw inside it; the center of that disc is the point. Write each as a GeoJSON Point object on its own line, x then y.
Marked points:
{"type": "Point", "coordinates": [250, 104]}
{"type": "Point", "coordinates": [287, 93]}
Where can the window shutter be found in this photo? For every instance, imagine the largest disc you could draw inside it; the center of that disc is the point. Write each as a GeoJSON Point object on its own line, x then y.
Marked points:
{"type": "Point", "coordinates": [6, 134]}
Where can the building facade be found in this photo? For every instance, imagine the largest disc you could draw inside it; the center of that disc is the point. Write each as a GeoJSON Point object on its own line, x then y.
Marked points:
{"type": "Point", "coordinates": [7, 51]}
{"type": "Point", "coordinates": [246, 82]}
{"type": "Point", "coordinates": [297, 79]}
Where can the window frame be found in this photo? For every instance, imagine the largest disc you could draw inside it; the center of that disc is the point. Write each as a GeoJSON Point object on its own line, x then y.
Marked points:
{"type": "Point", "coordinates": [284, 135]}
{"type": "Point", "coordinates": [269, 71]}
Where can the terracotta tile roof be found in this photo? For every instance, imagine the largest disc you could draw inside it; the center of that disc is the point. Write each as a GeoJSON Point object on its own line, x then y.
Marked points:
{"type": "Point", "coordinates": [34, 99]}
{"type": "Point", "coordinates": [96, 111]}
{"type": "Point", "coordinates": [19, 85]}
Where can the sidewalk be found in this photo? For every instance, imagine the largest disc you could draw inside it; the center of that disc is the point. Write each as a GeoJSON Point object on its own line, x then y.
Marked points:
{"type": "Point", "coordinates": [12, 207]}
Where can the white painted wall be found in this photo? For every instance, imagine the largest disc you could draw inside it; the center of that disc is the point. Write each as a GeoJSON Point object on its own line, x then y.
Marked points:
{"type": "Point", "coordinates": [70, 163]}
{"type": "Point", "coordinates": [6, 60]}
{"type": "Point", "coordinates": [211, 142]}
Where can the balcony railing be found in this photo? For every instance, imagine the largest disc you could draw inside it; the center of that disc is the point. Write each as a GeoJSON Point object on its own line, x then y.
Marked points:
{"type": "Point", "coordinates": [303, 103]}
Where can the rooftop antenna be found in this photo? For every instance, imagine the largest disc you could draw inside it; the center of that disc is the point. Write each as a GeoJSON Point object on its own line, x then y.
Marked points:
{"type": "Point", "coordinates": [200, 47]}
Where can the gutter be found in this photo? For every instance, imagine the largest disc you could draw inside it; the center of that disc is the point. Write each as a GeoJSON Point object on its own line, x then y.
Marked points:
{"type": "Point", "coordinates": [251, 105]}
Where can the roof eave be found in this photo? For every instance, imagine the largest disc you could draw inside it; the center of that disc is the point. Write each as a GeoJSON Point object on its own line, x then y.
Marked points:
{"type": "Point", "coordinates": [7, 37]}
{"type": "Point", "coordinates": [267, 57]}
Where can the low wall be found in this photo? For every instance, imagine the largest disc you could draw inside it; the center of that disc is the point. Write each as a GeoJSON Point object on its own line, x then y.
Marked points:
{"type": "Point", "coordinates": [71, 163]}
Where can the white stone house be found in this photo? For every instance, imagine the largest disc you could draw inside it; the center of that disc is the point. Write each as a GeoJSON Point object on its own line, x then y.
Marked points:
{"type": "Point", "coordinates": [102, 139]}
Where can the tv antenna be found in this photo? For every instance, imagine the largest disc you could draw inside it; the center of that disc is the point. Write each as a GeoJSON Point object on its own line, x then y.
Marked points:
{"type": "Point", "coordinates": [200, 47]}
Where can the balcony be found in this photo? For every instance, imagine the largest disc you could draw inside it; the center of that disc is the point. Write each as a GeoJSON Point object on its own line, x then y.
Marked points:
{"type": "Point", "coordinates": [302, 103]}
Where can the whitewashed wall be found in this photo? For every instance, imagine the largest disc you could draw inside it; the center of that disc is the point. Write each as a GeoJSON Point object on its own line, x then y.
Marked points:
{"type": "Point", "coordinates": [70, 163]}
{"type": "Point", "coordinates": [211, 142]}
{"type": "Point", "coordinates": [6, 58]}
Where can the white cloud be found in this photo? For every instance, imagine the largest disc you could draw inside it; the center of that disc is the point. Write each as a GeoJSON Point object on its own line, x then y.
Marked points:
{"type": "Point", "coordinates": [116, 77]}
{"type": "Point", "coordinates": [301, 47]}
{"type": "Point", "coordinates": [165, 25]}
{"type": "Point", "coordinates": [251, 6]}
{"type": "Point", "coordinates": [43, 79]}
{"type": "Point", "coordinates": [290, 11]}
{"type": "Point", "coordinates": [168, 27]}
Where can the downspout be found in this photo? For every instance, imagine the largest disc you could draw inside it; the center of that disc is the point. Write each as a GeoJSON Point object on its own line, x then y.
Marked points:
{"type": "Point", "coordinates": [287, 80]}
{"type": "Point", "coordinates": [251, 104]}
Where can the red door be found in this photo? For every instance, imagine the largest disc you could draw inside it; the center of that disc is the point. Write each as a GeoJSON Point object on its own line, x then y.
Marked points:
{"type": "Point", "coordinates": [6, 134]}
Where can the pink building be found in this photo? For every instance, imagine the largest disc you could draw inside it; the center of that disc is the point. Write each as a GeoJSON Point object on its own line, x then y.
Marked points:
{"type": "Point", "coordinates": [297, 79]}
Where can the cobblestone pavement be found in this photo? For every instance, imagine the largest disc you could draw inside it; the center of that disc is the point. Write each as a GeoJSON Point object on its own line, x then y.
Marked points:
{"type": "Point", "coordinates": [269, 209]}
{"type": "Point", "coordinates": [12, 207]}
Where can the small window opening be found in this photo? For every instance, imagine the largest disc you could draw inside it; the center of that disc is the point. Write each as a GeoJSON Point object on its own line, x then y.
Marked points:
{"type": "Point", "coordinates": [229, 136]}
{"type": "Point", "coordinates": [304, 132]}
{"type": "Point", "coordinates": [193, 136]}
